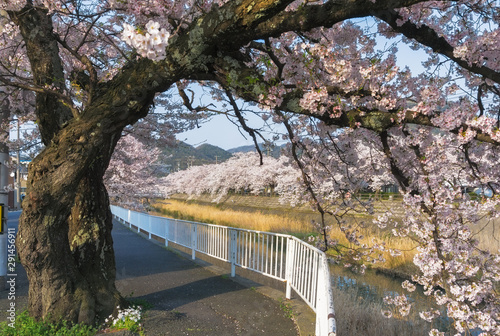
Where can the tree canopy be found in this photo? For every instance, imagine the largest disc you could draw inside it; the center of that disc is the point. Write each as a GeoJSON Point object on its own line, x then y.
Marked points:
{"type": "Point", "coordinates": [329, 71]}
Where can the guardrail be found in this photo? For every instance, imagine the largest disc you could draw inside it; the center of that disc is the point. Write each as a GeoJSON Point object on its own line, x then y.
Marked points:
{"type": "Point", "coordinates": [303, 267]}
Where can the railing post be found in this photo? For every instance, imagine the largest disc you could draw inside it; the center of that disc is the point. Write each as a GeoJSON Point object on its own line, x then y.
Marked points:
{"type": "Point", "coordinates": [320, 296]}
{"type": "Point", "coordinates": [233, 250]}
{"type": "Point", "coordinates": [330, 310]}
{"type": "Point", "coordinates": [149, 226]}
{"type": "Point", "coordinates": [290, 253]}
{"type": "Point", "coordinates": [167, 226]}
{"type": "Point", "coordinates": [176, 228]}
{"type": "Point", "coordinates": [193, 240]}
{"type": "Point", "coordinates": [128, 217]}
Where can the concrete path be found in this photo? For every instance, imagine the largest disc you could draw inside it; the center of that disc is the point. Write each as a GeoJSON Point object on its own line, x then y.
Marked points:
{"type": "Point", "coordinates": [187, 299]}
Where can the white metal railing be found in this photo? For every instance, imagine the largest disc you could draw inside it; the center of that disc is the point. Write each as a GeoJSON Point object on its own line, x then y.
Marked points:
{"type": "Point", "coordinates": [303, 267]}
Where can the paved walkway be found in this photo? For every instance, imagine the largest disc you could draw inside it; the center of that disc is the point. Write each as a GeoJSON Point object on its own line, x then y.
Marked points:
{"type": "Point", "coordinates": [187, 299]}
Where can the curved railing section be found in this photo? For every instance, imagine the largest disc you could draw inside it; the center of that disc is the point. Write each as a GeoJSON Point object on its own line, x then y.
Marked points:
{"type": "Point", "coordinates": [303, 267]}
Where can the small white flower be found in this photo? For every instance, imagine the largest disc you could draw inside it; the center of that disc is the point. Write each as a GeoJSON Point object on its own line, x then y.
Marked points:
{"type": "Point", "coordinates": [152, 44]}
{"type": "Point", "coordinates": [435, 332]}
{"type": "Point", "coordinates": [410, 287]}
{"type": "Point", "coordinates": [153, 27]}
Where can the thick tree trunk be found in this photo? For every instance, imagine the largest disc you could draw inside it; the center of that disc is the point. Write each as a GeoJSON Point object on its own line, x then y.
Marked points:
{"type": "Point", "coordinates": [91, 244]}
{"type": "Point", "coordinates": [57, 287]}
{"type": "Point", "coordinates": [64, 240]}
{"type": "Point", "coordinates": [68, 255]}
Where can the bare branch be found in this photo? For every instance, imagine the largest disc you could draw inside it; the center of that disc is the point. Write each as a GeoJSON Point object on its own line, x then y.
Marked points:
{"type": "Point", "coordinates": [252, 132]}
{"type": "Point", "coordinates": [428, 37]}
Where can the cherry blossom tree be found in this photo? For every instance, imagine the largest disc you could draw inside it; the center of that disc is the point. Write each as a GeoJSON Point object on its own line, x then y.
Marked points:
{"type": "Point", "coordinates": [242, 172]}
{"type": "Point", "coordinates": [328, 71]}
{"type": "Point", "coordinates": [131, 178]}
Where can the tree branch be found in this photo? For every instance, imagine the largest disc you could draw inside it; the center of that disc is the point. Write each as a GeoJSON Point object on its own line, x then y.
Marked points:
{"type": "Point", "coordinates": [378, 121]}
{"type": "Point", "coordinates": [328, 14]}
{"type": "Point", "coordinates": [38, 34]}
{"type": "Point", "coordinates": [428, 37]}
{"type": "Point", "coordinates": [253, 133]}
{"type": "Point", "coordinates": [88, 66]}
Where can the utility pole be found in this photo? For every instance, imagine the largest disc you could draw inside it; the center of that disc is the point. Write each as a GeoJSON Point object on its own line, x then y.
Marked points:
{"type": "Point", "coordinates": [268, 146]}
{"type": "Point", "coordinates": [18, 171]}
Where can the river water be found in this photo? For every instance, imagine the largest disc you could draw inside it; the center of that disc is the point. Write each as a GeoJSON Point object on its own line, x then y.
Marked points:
{"type": "Point", "coordinates": [370, 288]}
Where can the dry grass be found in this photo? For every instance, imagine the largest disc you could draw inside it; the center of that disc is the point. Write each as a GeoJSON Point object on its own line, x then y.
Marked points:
{"type": "Point", "coordinates": [286, 222]}
{"type": "Point", "coordinates": [400, 263]}
{"type": "Point", "coordinates": [488, 234]}
{"type": "Point", "coordinates": [247, 220]}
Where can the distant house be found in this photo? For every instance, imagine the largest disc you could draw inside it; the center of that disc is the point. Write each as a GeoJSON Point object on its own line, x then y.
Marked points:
{"type": "Point", "coordinates": [390, 188]}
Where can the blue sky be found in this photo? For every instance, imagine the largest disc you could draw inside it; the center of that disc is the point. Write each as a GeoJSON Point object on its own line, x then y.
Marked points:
{"type": "Point", "coordinates": [219, 132]}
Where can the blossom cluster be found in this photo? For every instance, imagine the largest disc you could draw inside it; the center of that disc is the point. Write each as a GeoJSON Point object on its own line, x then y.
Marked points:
{"type": "Point", "coordinates": [150, 43]}
{"type": "Point", "coordinates": [482, 50]}
{"type": "Point", "coordinates": [125, 318]}
{"type": "Point", "coordinates": [14, 5]}
{"type": "Point", "coordinates": [401, 302]}
{"type": "Point", "coordinates": [319, 101]}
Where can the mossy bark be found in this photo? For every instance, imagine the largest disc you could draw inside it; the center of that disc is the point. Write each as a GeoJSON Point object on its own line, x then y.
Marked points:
{"type": "Point", "coordinates": [91, 244]}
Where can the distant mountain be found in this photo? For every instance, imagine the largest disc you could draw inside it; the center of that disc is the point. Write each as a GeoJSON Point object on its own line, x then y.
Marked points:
{"type": "Point", "coordinates": [275, 151]}
{"type": "Point", "coordinates": [184, 155]}
{"type": "Point", "coordinates": [213, 153]}
{"type": "Point", "coordinates": [242, 149]}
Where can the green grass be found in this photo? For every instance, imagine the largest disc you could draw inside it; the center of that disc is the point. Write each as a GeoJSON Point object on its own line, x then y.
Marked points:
{"type": "Point", "coordinates": [286, 307]}
{"type": "Point", "coordinates": [145, 304]}
{"type": "Point", "coordinates": [27, 326]}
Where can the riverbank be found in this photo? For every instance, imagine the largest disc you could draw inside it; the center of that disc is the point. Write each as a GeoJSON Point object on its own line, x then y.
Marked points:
{"type": "Point", "coordinates": [264, 213]}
